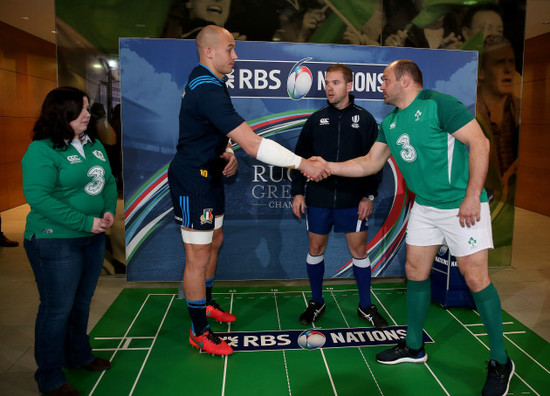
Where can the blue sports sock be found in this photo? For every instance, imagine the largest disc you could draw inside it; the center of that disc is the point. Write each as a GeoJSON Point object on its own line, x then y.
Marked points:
{"type": "Point", "coordinates": [315, 272]}
{"type": "Point", "coordinates": [209, 287]}
{"type": "Point", "coordinates": [361, 271]}
{"type": "Point", "coordinates": [197, 312]}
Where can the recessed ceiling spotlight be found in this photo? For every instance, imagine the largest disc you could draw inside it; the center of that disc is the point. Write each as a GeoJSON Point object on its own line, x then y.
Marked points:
{"type": "Point", "coordinates": [54, 32]}
{"type": "Point", "coordinates": [26, 18]}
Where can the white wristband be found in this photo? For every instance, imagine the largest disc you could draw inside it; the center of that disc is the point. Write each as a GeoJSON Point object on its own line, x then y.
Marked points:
{"type": "Point", "coordinates": [273, 153]}
{"type": "Point", "coordinates": [229, 150]}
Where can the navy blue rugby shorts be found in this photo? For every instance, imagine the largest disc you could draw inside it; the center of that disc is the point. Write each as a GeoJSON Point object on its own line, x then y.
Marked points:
{"type": "Point", "coordinates": [322, 220]}
{"type": "Point", "coordinates": [196, 202]}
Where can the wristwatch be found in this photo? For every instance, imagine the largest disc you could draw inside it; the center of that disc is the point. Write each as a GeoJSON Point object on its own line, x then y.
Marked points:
{"type": "Point", "coordinates": [370, 198]}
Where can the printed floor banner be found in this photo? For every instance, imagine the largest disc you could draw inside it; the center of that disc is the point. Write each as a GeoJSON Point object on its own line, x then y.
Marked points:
{"type": "Point", "coordinates": [275, 87]}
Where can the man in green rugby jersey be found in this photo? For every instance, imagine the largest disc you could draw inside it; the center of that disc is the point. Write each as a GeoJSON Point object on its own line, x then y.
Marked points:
{"type": "Point", "coordinates": [443, 155]}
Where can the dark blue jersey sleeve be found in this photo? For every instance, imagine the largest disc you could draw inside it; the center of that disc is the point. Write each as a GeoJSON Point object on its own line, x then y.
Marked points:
{"type": "Point", "coordinates": [215, 104]}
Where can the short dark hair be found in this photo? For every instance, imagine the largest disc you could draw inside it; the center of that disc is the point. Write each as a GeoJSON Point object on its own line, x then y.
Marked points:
{"type": "Point", "coordinates": [346, 71]}
{"type": "Point", "coordinates": [493, 42]}
{"type": "Point", "coordinates": [406, 66]}
{"type": "Point", "coordinates": [61, 106]}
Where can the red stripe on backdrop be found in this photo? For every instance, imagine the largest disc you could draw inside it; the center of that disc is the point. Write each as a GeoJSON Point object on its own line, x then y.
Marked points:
{"type": "Point", "coordinates": [393, 216]}
{"type": "Point", "coordinates": [142, 196]}
{"type": "Point", "coordinates": [276, 120]}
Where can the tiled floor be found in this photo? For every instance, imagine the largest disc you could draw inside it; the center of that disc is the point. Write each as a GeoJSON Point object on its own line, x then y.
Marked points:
{"type": "Point", "coordinates": [524, 289]}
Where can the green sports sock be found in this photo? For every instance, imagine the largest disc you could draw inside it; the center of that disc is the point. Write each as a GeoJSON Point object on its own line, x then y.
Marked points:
{"type": "Point", "coordinates": [488, 306]}
{"type": "Point", "coordinates": [419, 295]}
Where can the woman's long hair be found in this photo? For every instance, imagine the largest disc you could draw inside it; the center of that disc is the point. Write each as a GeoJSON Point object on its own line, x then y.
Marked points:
{"type": "Point", "coordinates": [61, 106]}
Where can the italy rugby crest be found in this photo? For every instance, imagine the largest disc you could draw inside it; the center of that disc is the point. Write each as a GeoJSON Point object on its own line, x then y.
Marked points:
{"type": "Point", "coordinates": [207, 216]}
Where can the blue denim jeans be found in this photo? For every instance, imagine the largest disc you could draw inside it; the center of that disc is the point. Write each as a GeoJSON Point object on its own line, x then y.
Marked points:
{"type": "Point", "coordinates": [66, 273]}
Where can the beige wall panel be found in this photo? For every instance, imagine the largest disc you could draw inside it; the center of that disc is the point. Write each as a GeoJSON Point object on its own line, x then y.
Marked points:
{"type": "Point", "coordinates": [27, 74]}
{"type": "Point", "coordinates": [15, 185]}
{"type": "Point", "coordinates": [535, 105]}
{"type": "Point", "coordinates": [533, 183]}
{"type": "Point", "coordinates": [535, 58]}
{"type": "Point", "coordinates": [26, 54]}
{"type": "Point", "coordinates": [11, 192]}
{"type": "Point", "coordinates": [4, 189]}
{"type": "Point", "coordinates": [17, 136]}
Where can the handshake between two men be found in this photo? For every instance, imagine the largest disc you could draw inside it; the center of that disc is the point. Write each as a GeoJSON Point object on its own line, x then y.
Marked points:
{"type": "Point", "coordinates": [315, 168]}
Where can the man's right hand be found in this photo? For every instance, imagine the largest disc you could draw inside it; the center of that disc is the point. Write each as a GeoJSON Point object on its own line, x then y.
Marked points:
{"type": "Point", "coordinates": [314, 170]}
{"type": "Point", "coordinates": [298, 205]}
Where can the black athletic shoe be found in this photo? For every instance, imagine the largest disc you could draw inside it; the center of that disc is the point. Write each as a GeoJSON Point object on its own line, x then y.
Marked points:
{"type": "Point", "coordinates": [498, 378]}
{"type": "Point", "coordinates": [371, 314]}
{"type": "Point", "coordinates": [312, 312]}
{"type": "Point", "coordinates": [401, 353]}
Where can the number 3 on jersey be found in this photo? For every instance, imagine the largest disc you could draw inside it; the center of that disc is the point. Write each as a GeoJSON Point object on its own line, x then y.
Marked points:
{"type": "Point", "coordinates": [408, 153]}
{"type": "Point", "coordinates": [96, 185]}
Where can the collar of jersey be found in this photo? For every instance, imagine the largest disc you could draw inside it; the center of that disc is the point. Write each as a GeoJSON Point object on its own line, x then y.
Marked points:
{"type": "Point", "coordinates": [206, 67]}
{"type": "Point", "coordinates": [84, 139]}
{"type": "Point", "coordinates": [350, 104]}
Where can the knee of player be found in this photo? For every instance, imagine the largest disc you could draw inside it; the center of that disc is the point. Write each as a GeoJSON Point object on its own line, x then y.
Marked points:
{"type": "Point", "coordinates": [358, 251]}
{"type": "Point", "coordinates": [316, 250]}
{"type": "Point", "coordinates": [217, 238]}
{"type": "Point", "coordinates": [476, 282]}
{"type": "Point", "coordinates": [317, 244]}
{"type": "Point", "coordinates": [416, 272]}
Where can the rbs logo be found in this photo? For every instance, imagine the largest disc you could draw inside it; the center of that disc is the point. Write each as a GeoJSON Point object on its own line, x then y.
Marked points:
{"type": "Point", "coordinates": [306, 80]}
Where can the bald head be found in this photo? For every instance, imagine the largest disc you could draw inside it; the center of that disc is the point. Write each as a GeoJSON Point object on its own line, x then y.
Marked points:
{"type": "Point", "coordinates": [406, 66]}
{"type": "Point", "coordinates": [216, 47]}
{"type": "Point", "coordinates": [210, 36]}
{"type": "Point", "coordinates": [402, 80]}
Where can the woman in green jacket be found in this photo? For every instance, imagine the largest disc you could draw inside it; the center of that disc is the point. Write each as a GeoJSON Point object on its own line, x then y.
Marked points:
{"type": "Point", "coordinates": [69, 187]}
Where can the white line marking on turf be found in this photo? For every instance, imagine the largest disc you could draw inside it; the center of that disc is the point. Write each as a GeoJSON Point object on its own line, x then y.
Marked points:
{"type": "Point", "coordinates": [122, 349]}
{"type": "Point", "coordinates": [506, 332]}
{"type": "Point", "coordinates": [294, 291]}
{"type": "Point", "coordinates": [120, 344]}
{"type": "Point", "coordinates": [487, 347]}
{"type": "Point", "coordinates": [152, 345]}
{"type": "Point", "coordinates": [122, 338]}
{"type": "Point", "coordinates": [384, 307]}
{"type": "Point", "coordinates": [323, 355]}
{"type": "Point", "coordinates": [425, 363]}
{"type": "Point", "coordinates": [224, 378]}
{"type": "Point", "coordinates": [437, 379]}
{"type": "Point", "coordinates": [358, 348]}
{"type": "Point", "coordinates": [529, 356]}
{"type": "Point", "coordinates": [481, 324]}
{"type": "Point", "coordinates": [329, 374]}
{"type": "Point", "coordinates": [284, 354]}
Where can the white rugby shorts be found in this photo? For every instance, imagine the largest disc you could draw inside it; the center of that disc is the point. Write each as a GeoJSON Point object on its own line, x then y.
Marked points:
{"type": "Point", "coordinates": [430, 226]}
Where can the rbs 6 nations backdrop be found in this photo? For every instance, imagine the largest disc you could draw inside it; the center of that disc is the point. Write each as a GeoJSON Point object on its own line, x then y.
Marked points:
{"type": "Point", "coordinates": [275, 87]}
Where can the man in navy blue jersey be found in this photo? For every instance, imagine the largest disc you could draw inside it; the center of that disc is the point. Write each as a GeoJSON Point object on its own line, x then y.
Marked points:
{"type": "Point", "coordinates": [341, 130]}
{"type": "Point", "coordinates": [204, 156]}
